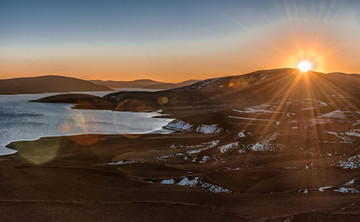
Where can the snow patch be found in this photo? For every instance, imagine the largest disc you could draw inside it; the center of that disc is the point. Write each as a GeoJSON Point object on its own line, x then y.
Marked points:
{"type": "Point", "coordinates": [347, 190]}
{"type": "Point", "coordinates": [204, 159]}
{"type": "Point", "coordinates": [214, 143]}
{"type": "Point", "coordinates": [241, 151]}
{"type": "Point", "coordinates": [337, 114]}
{"type": "Point", "coordinates": [351, 163]}
{"type": "Point", "coordinates": [259, 147]}
{"type": "Point", "coordinates": [322, 103]}
{"type": "Point", "coordinates": [124, 162]}
{"type": "Point", "coordinates": [207, 144]}
{"type": "Point", "coordinates": [241, 134]}
{"type": "Point", "coordinates": [350, 182]}
{"type": "Point", "coordinates": [267, 144]}
{"type": "Point", "coordinates": [194, 151]}
{"type": "Point", "coordinates": [321, 189]}
{"type": "Point", "coordinates": [190, 183]}
{"type": "Point", "coordinates": [355, 132]}
{"type": "Point", "coordinates": [209, 129]}
{"type": "Point", "coordinates": [178, 125]}
{"type": "Point", "coordinates": [163, 158]}
{"type": "Point", "coordinates": [226, 147]}
{"type": "Point", "coordinates": [256, 109]}
{"type": "Point", "coordinates": [204, 146]}
{"type": "Point", "coordinates": [170, 181]}
{"type": "Point", "coordinates": [196, 182]}
{"type": "Point", "coordinates": [232, 169]}
{"type": "Point", "coordinates": [340, 136]}
{"type": "Point", "coordinates": [214, 188]}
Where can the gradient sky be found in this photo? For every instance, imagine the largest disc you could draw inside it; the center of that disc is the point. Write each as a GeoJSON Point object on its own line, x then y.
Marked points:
{"type": "Point", "coordinates": [175, 40]}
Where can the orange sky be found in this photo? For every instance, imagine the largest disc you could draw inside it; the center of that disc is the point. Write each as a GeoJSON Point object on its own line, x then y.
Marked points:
{"type": "Point", "coordinates": [330, 44]}
{"type": "Point", "coordinates": [282, 49]}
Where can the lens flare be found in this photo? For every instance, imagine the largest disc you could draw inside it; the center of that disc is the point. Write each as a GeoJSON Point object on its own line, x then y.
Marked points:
{"type": "Point", "coordinates": [40, 152]}
{"type": "Point", "coordinates": [124, 105]}
{"type": "Point", "coordinates": [81, 122]}
{"type": "Point", "coordinates": [163, 100]}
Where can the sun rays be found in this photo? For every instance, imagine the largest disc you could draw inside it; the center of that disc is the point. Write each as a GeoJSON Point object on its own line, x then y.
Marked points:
{"type": "Point", "coordinates": [307, 97]}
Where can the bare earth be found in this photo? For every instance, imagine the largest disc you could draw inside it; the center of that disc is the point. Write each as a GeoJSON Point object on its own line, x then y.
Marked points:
{"type": "Point", "coordinates": [72, 182]}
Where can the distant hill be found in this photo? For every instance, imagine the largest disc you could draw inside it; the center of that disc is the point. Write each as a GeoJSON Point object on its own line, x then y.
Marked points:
{"type": "Point", "coordinates": [143, 83]}
{"type": "Point", "coordinates": [45, 84]}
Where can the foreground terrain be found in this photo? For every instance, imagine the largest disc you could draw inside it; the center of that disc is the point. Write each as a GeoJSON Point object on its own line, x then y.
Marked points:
{"type": "Point", "coordinates": [138, 177]}
{"type": "Point", "coordinates": [273, 145]}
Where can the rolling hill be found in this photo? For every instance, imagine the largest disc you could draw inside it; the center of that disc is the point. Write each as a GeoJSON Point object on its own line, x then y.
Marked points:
{"type": "Point", "coordinates": [287, 137]}
{"type": "Point", "coordinates": [255, 88]}
{"type": "Point", "coordinates": [143, 83]}
{"type": "Point", "coordinates": [45, 84]}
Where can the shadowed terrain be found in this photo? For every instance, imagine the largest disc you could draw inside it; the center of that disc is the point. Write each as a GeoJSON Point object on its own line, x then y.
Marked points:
{"type": "Point", "coordinates": [143, 83]}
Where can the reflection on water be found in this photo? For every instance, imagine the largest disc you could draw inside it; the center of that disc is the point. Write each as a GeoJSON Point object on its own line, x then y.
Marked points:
{"type": "Point", "coordinates": [22, 120]}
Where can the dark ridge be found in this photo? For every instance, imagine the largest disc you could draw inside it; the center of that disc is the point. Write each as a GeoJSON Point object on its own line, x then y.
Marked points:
{"type": "Point", "coordinates": [143, 83]}
{"type": "Point", "coordinates": [46, 84]}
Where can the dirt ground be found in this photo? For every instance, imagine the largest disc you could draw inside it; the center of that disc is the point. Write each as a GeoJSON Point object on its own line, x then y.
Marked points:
{"type": "Point", "coordinates": [118, 178]}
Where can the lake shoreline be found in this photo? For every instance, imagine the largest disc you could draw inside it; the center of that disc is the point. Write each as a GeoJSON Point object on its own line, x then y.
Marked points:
{"type": "Point", "coordinates": [24, 120]}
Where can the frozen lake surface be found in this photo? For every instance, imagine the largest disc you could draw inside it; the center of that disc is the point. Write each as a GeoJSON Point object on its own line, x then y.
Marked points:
{"type": "Point", "coordinates": [22, 120]}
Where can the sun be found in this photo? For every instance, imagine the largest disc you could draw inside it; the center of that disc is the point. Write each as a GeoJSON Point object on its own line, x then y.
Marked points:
{"type": "Point", "coordinates": [304, 66]}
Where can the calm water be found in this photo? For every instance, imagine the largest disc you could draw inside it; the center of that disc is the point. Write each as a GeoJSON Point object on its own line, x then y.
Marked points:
{"type": "Point", "coordinates": [22, 120]}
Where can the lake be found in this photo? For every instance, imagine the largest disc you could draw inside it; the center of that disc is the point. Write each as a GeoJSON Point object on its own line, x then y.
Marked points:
{"type": "Point", "coordinates": [22, 120]}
